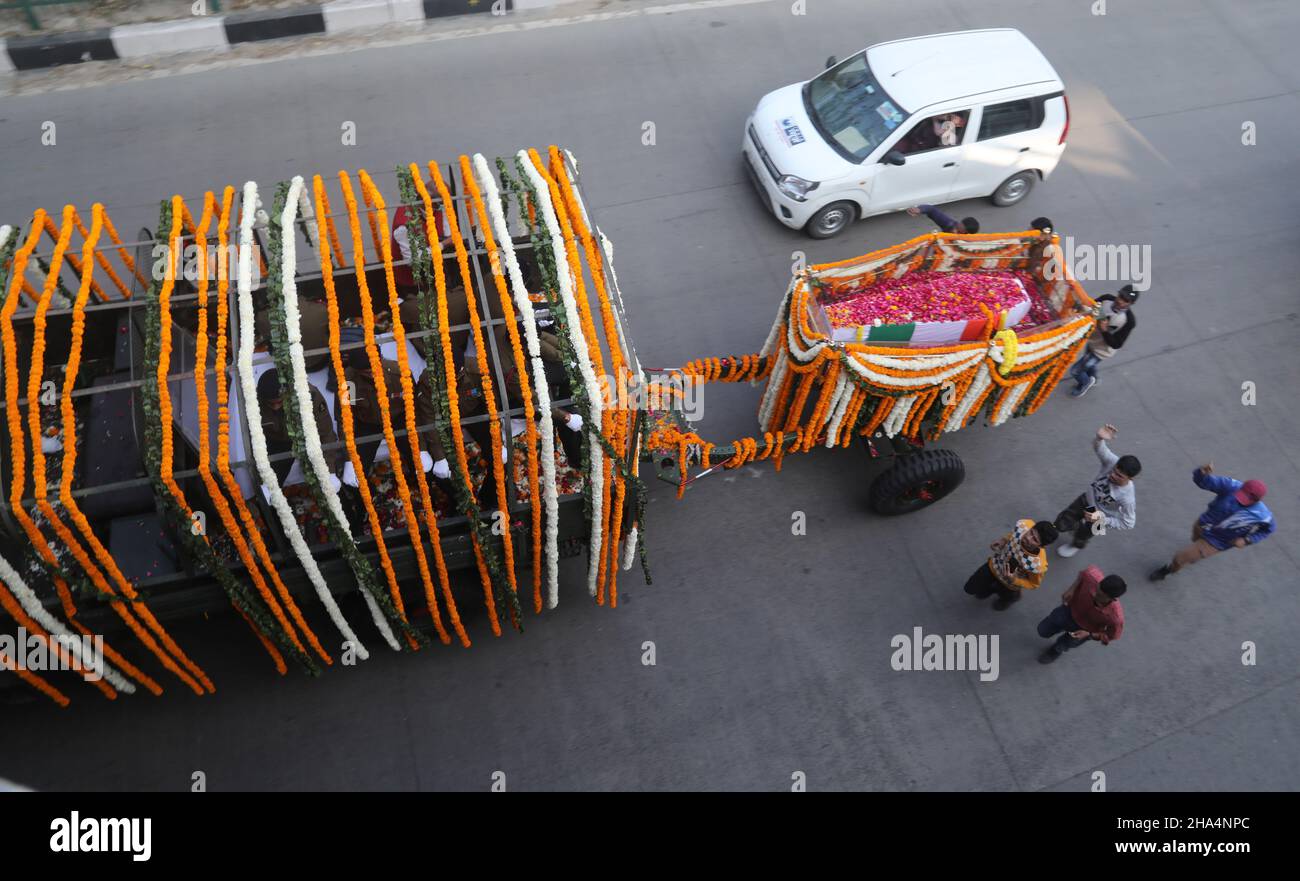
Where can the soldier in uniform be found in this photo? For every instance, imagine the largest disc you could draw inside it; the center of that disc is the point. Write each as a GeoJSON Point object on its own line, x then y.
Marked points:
{"type": "Point", "coordinates": [273, 399]}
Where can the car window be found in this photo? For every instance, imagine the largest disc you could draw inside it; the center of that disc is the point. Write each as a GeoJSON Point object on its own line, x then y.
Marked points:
{"type": "Point", "coordinates": [1011, 117]}
{"type": "Point", "coordinates": [934, 133]}
{"type": "Point", "coordinates": [850, 108]}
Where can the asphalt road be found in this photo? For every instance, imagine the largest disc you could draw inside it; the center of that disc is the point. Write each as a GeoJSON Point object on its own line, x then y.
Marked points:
{"type": "Point", "coordinates": [773, 649]}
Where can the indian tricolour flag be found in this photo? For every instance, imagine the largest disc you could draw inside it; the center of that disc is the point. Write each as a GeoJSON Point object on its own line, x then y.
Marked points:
{"type": "Point", "coordinates": [929, 333]}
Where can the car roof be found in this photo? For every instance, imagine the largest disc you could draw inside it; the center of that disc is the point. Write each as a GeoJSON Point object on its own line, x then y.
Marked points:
{"type": "Point", "coordinates": [921, 71]}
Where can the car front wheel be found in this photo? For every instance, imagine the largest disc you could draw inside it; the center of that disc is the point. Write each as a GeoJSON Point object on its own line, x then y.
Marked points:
{"type": "Point", "coordinates": [831, 220]}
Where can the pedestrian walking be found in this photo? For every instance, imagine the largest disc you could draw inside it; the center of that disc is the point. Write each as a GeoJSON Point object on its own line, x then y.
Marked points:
{"type": "Point", "coordinates": [1018, 563]}
{"type": "Point", "coordinates": [1237, 518]}
{"type": "Point", "coordinates": [1109, 502]}
{"type": "Point", "coordinates": [1089, 610]}
{"type": "Point", "coordinates": [1115, 321]}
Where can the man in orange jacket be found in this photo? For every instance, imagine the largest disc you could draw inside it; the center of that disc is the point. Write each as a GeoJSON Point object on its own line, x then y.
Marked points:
{"type": "Point", "coordinates": [1018, 563]}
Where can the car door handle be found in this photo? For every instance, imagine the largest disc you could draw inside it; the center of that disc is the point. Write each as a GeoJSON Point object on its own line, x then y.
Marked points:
{"type": "Point", "coordinates": [1024, 149]}
{"type": "Point", "coordinates": [949, 164]}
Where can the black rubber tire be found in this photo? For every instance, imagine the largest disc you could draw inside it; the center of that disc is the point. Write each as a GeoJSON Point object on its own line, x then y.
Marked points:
{"type": "Point", "coordinates": [815, 229]}
{"type": "Point", "coordinates": [896, 491]}
{"type": "Point", "coordinates": [1021, 184]}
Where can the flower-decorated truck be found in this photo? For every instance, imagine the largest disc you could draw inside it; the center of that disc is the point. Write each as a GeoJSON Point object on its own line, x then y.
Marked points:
{"type": "Point", "coordinates": [896, 348]}
{"type": "Point", "coordinates": [186, 427]}
{"type": "Point", "coordinates": [151, 470]}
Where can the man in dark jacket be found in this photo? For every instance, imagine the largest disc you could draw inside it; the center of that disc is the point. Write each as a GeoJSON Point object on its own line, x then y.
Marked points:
{"type": "Point", "coordinates": [1115, 321]}
{"type": "Point", "coordinates": [272, 400]}
{"type": "Point", "coordinates": [946, 222]}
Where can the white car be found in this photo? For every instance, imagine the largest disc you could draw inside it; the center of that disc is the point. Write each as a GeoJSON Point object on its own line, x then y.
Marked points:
{"type": "Point", "coordinates": [924, 120]}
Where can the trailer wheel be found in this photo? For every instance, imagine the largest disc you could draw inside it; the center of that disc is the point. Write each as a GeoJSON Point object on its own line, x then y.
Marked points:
{"type": "Point", "coordinates": [916, 481]}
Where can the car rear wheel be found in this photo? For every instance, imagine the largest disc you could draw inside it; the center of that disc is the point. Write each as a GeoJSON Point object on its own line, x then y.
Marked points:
{"type": "Point", "coordinates": [831, 220]}
{"type": "Point", "coordinates": [1014, 189]}
{"type": "Point", "coordinates": [916, 481]}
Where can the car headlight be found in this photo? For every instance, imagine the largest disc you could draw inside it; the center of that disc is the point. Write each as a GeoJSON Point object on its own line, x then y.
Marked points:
{"type": "Point", "coordinates": [796, 187]}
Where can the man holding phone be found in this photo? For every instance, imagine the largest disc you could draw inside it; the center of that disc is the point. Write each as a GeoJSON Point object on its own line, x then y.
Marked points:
{"type": "Point", "coordinates": [1018, 563]}
{"type": "Point", "coordinates": [1109, 502]}
{"type": "Point", "coordinates": [1089, 610]}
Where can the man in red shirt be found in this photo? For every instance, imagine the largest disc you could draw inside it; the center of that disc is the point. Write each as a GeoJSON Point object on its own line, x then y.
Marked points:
{"type": "Point", "coordinates": [1090, 609]}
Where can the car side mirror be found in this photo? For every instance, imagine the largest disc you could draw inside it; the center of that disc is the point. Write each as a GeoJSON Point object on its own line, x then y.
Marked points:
{"type": "Point", "coordinates": [830, 62]}
{"type": "Point", "coordinates": [893, 157]}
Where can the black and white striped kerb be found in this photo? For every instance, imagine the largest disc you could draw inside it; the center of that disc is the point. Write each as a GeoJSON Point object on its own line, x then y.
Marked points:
{"type": "Point", "coordinates": [220, 31]}
{"type": "Point", "coordinates": [272, 24]}
{"type": "Point", "coordinates": [30, 53]}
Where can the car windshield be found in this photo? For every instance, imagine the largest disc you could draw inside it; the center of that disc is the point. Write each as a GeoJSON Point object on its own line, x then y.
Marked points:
{"type": "Point", "coordinates": [850, 109]}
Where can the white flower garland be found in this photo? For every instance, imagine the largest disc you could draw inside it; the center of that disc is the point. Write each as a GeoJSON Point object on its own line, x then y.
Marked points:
{"type": "Point", "coordinates": [293, 329]}
{"type": "Point", "coordinates": [519, 290]}
{"type": "Point", "coordinates": [546, 211]}
{"type": "Point", "coordinates": [801, 355]}
{"type": "Point", "coordinates": [769, 345]}
{"type": "Point", "coordinates": [608, 247]}
{"type": "Point", "coordinates": [843, 395]}
{"type": "Point", "coordinates": [5, 231]}
{"type": "Point", "coordinates": [912, 381]}
{"type": "Point", "coordinates": [629, 548]}
{"type": "Point", "coordinates": [777, 375]}
{"type": "Point", "coordinates": [253, 419]}
{"type": "Point", "coordinates": [919, 362]}
{"type": "Point", "coordinates": [1009, 403]}
{"type": "Point", "coordinates": [898, 415]}
{"type": "Point", "coordinates": [773, 390]}
{"type": "Point", "coordinates": [308, 212]}
{"type": "Point", "coordinates": [32, 605]}
{"type": "Point", "coordinates": [958, 417]}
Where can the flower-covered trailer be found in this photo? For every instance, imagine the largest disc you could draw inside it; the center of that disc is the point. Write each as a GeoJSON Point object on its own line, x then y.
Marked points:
{"type": "Point", "coordinates": [896, 348]}
{"type": "Point", "coordinates": [244, 407]}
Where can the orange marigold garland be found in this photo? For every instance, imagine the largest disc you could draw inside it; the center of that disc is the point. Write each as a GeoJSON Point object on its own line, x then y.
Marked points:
{"type": "Point", "coordinates": [489, 396]}
{"type": "Point", "coordinates": [226, 516]}
{"type": "Point", "coordinates": [251, 527]}
{"type": "Point", "coordinates": [412, 434]}
{"type": "Point", "coordinates": [67, 412]}
{"type": "Point", "coordinates": [449, 378]}
{"type": "Point", "coordinates": [345, 405]}
{"type": "Point", "coordinates": [521, 370]}
{"type": "Point", "coordinates": [158, 418]}
{"type": "Point", "coordinates": [18, 458]}
{"type": "Point", "coordinates": [381, 395]}
{"type": "Point", "coordinates": [619, 416]}
{"type": "Point", "coordinates": [35, 681]}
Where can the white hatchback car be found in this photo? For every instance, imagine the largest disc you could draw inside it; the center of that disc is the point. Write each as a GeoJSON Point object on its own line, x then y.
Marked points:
{"type": "Point", "coordinates": [924, 120]}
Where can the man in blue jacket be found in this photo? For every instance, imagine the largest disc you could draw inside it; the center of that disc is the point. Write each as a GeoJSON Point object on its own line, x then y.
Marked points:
{"type": "Point", "coordinates": [1236, 518]}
